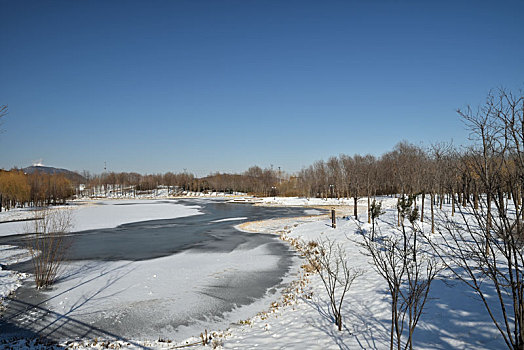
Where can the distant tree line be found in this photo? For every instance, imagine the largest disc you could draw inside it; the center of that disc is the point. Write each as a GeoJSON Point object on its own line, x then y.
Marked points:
{"type": "Point", "coordinates": [255, 180]}
{"type": "Point", "coordinates": [441, 172]}
{"type": "Point", "coordinates": [438, 171]}
{"type": "Point", "coordinates": [18, 189]}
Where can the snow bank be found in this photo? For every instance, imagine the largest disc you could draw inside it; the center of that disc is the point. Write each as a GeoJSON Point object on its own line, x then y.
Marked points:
{"type": "Point", "coordinates": [389, 202]}
{"type": "Point", "coordinates": [11, 280]}
{"type": "Point", "coordinates": [230, 219]}
{"type": "Point", "coordinates": [17, 214]}
{"type": "Point", "coordinates": [90, 215]}
{"type": "Point", "coordinates": [159, 193]}
{"type": "Point", "coordinates": [112, 213]}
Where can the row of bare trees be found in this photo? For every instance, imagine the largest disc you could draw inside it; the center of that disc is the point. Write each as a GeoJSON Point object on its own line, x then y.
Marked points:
{"type": "Point", "coordinates": [37, 189]}
{"type": "Point", "coordinates": [407, 169]}
{"type": "Point", "coordinates": [255, 180]}
{"type": "Point", "coordinates": [480, 241]}
{"type": "Point", "coordinates": [441, 172]}
{"type": "Point", "coordinates": [132, 183]}
{"type": "Point", "coordinates": [478, 238]}
{"type": "Point", "coordinates": [485, 247]}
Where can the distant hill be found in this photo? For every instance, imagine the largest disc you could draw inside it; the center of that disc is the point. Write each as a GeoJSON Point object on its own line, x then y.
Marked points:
{"type": "Point", "coordinates": [71, 175]}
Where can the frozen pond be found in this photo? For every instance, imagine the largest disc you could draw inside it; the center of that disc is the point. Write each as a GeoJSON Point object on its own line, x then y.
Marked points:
{"type": "Point", "coordinates": [157, 238]}
{"type": "Point", "coordinates": [169, 278]}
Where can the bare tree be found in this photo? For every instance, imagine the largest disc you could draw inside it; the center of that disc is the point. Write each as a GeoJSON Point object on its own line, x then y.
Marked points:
{"type": "Point", "coordinates": [485, 248]}
{"type": "Point", "coordinates": [408, 278]}
{"type": "Point", "coordinates": [334, 177]}
{"type": "Point", "coordinates": [330, 261]}
{"type": "Point", "coordinates": [437, 174]}
{"type": "Point", "coordinates": [374, 212]}
{"type": "Point", "coordinates": [48, 244]}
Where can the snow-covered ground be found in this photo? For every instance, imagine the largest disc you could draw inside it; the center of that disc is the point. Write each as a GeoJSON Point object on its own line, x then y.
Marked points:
{"type": "Point", "coordinates": [453, 318]}
{"type": "Point", "coordinates": [301, 201]}
{"type": "Point", "coordinates": [89, 215]}
{"type": "Point", "coordinates": [86, 216]}
{"type": "Point", "coordinates": [158, 193]}
{"type": "Point", "coordinates": [16, 214]}
{"type": "Point", "coordinates": [10, 280]}
{"type": "Point", "coordinates": [299, 319]}
{"type": "Point", "coordinates": [156, 293]}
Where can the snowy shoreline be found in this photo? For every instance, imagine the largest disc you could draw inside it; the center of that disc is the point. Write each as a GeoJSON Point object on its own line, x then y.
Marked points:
{"type": "Point", "coordinates": [101, 213]}
{"type": "Point", "coordinates": [108, 213]}
{"type": "Point", "coordinates": [300, 316]}
{"type": "Point", "coordinates": [252, 309]}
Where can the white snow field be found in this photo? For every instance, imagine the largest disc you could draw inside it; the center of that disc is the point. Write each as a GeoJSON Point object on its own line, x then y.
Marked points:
{"type": "Point", "coordinates": [86, 216]}
{"type": "Point", "coordinates": [157, 292]}
{"type": "Point", "coordinates": [161, 192]}
{"type": "Point", "coordinates": [299, 318]}
{"type": "Point", "coordinates": [11, 280]}
{"type": "Point", "coordinates": [301, 201]}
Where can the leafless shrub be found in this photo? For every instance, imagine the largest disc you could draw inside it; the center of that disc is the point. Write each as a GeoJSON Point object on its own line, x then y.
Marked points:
{"type": "Point", "coordinates": [48, 243]}
{"type": "Point", "coordinates": [330, 261]}
{"type": "Point", "coordinates": [408, 271]}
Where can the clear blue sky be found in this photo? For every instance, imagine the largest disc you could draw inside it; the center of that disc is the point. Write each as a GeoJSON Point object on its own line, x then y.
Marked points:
{"type": "Point", "coordinates": [155, 86]}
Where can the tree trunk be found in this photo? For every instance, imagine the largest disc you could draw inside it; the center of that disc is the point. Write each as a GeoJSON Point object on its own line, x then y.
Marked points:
{"type": "Point", "coordinates": [355, 199]}
{"type": "Point", "coordinates": [464, 198]}
{"type": "Point", "coordinates": [452, 204]}
{"type": "Point", "coordinates": [422, 207]}
{"type": "Point", "coordinates": [432, 214]}
{"type": "Point", "coordinates": [488, 222]}
{"type": "Point", "coordinates": [519, 195]}
{"type": "Point", "coordinates": [391, 334]}
{"type": "Point", "coordinates": [398, 214]}
{"type": "Point", "coordinates": [369, 210]}
{"type": "Point", "coordinates": [414, 245]}
{"type": "Point", "coordinates": [501, 203]}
